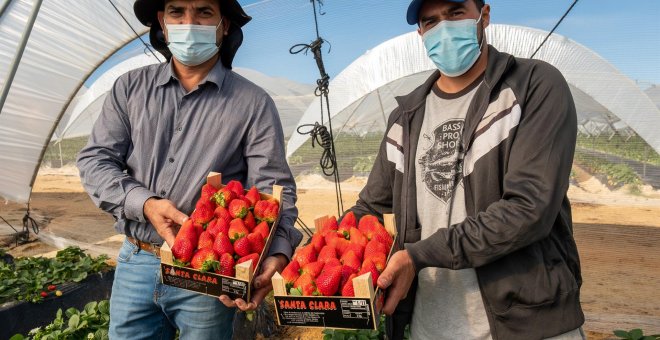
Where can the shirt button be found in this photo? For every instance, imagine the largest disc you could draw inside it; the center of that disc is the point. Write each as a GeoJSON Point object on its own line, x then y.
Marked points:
{"type": "Point", "coordinates": [179, 129]}
{"type": "Point", "coordinates": [171, 160]}
{"type": "Point", "coordinates": [162, 193]}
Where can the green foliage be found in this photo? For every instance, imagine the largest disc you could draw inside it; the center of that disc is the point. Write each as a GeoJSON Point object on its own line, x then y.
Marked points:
{"type": "Point", "coordinates": [617, 174]}
{"type": "Point", "coordinates": [635, 334]}
{"type": "Point", "coordinates": [361, 334]}
{"type": "Point", "coordinates": [364, 164]}
{"type": "Point", "coordinates": [90, 323]}
{"type": "Point", "coordinates": [354, 153]}
{"type": "Point", "coordinates": [70, 149]}
{"type": "Point", "coordinates": [634, 148]}
{"type": "Point", "coordinates": [29, 276]}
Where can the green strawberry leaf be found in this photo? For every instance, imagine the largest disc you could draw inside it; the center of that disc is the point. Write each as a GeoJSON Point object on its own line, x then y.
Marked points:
{"type": "Point", "coordinates": [295, 292]}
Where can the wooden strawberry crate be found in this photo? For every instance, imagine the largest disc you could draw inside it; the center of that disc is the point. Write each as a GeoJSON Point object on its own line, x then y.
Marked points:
{"type": "Point", "coordinates": [210, 283]}
{"type": "Point", "coordinates": [359, 312]}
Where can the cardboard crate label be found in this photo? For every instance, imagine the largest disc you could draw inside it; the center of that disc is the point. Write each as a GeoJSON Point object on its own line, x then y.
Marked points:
{"type": "Point", "coordinates": [205, 283]}
{"type": "Point", "coordinates": [325, 312]}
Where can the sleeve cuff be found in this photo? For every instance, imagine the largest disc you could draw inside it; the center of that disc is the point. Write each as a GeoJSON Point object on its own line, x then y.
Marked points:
{"type": "Point", "coordinates": [428, 253]}
{"type": "Point", "coordinates": [134, 204]}
{"type": "Point", "coordinates": [280, 245]}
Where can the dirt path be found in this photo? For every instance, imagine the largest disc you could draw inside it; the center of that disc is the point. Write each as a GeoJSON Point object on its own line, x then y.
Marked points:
{"type": "Point", "coordinates": [618, 245]}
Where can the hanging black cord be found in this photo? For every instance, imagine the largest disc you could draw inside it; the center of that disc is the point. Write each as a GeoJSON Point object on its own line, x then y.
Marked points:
{"type": "Point", "coordinates": [319, 133]}
{"type": "Point", "coordinates": [554, 28]}
{"type": "Point", "coordinates": [29, 222]}
{"type": "Point", "coordinates": [136, 33]}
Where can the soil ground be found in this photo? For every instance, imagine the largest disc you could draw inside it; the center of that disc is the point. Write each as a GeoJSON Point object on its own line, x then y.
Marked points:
{"type": "Point", "coordinates": [617, 236]}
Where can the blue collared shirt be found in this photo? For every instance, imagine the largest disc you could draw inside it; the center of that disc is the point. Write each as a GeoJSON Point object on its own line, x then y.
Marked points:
{"type": "Point", "coordinates": [154, 139]}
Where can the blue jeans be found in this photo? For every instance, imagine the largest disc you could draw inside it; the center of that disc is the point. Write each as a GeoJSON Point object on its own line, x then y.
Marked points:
{"type": "Point", "coordinates": [141, 307]}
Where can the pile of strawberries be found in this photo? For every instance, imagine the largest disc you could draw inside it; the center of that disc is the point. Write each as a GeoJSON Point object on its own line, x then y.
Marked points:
{"type": "Point", "coordinates": [229, 226]}
{"type": "Point", "coordinates": [336, 255]}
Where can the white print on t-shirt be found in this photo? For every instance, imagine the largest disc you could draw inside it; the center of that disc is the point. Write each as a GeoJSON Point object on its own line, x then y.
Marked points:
{"type": "Point", "coordinates": [441, 164]}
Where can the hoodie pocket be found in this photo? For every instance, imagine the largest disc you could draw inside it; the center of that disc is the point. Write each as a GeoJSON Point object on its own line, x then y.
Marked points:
{"type": "Point", "coordinates": [528, 278]}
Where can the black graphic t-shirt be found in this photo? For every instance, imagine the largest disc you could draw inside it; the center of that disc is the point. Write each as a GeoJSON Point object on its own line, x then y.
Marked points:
{"type": "Point", "coordinates": [439, 180]}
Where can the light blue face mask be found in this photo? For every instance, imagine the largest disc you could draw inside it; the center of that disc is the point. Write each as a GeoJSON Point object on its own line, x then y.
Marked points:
{"type": "Point", "coordinates": [192, 44]}
{"type": "Point", "coordinates": [453, 46]}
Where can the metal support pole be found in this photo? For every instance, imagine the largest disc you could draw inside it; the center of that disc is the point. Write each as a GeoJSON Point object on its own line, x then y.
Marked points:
{"type": "Point", "coordinates": [19, 54]}
{"type": "Point", "coordinates": [4, 7]}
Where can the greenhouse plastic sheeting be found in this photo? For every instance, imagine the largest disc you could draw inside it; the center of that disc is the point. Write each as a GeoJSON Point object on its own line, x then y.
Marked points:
{"type": "Point", "coordinates": [596, 84]}
{"type": "Point", "coordinates": [70, 38]}
{"type": "Point", "coordinates": [291, 98]}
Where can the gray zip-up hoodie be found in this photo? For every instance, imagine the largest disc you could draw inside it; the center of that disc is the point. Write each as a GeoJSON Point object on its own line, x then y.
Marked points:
{"type": "Point", "coordinates": [519, 140]}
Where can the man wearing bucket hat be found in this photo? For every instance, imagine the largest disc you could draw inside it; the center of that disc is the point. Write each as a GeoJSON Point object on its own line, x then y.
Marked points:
{"type": "Point", "coordinates": [161, 130]}
{"type": "Point", "coordinates": [475, 166]}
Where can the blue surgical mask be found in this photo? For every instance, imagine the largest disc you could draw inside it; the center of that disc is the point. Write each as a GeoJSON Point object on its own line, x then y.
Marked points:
{"type": "Point", "coordinates": [192, 44]}
{"type": "Point", "coordinates": [453, 46]}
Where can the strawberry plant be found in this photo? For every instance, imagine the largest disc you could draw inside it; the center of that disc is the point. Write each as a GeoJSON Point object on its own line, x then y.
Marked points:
{"type": "Point", "coordinates": [635, 334]}
{"type": "Point", "coordinates": [29, 278]}
{"type": "Point", "coordinates": [90, 323]}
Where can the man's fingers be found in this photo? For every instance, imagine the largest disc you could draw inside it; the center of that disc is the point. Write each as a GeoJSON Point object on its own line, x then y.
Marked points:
{"type": "Point", "coordinates": [229, 303]}
{"type": "Point", "coordinates": [394, 295]}
{"type": "Point", "coordinates": [386, 277]}
{"type": "Point", "coordinates": [263, 280]}
{"type": "Point", "coordinates": [258, 297]}
{"type": "Point", "coordinates": [175, 215]}
{"type": "Point", "coordinates": [167, 233]}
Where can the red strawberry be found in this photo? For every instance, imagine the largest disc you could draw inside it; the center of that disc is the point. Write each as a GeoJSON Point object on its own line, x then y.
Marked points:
{"type": "Point", "coordinates": [327, 283]}
{"type": "Point", "coordinates": [256, 242]}
{"type": "Point", "coordinates": [205, 260]}
{"type": "Point", "coordinates": [207, 192]}
{"type": "Point", "coordinates": [253, 196]}
{"type": "Point", "coordinates": [331, 263]}
{"type": "Point", "coordinates": [236, 187]}
{"type": "Point", "coordinates": [369, 267]}
{"type": "Point", "coordinates": [291, 273]}
{"type": "Point", "coordinates": [368, 224]}
{"type": "Point", "coordinates": [374, 247]}
{"type": "Point", "coordinates": [222, 214]}
{"type": "Point", "coordinates": [217, 226]}
{"type": "Point", "coordinates": [238, 208]}
{"type": "Point", "coordinates": [346, 272]}
{"type": "Point", "coordinates": [347, 222]}
{"type": "Point", "coordinates": [312, 268]}
{"type": "Point", "coordinates": [185, 242]}
{"type": "Point", "coordinates": [237, 229]}
{"type": "Point", "coordinates": [327, 253]}
{"type": "Point", "coordinates": [203, 213]}
{"type": "Point", "coordinates": [226, 267]}
{"type": "Point", "coordinates": [357, 249]}
{"type": "Point", "coordinates": [351, 260]}
{"type": "Point", "coordinates": [205, 240]}
{"type": "Point", "coordinates": [223, 197]}
{"type": "Point", "coordinates": [379, 260]}
{"type": "Point", "coordinates": [52, 287]}
{"type": "Point", "coordinates": [342, 244]}
{"type": "Point", "coordinates": [327, 224]}
{"type": "Point", "coordinates": [242, 247]}
{"type": "Point", "coordinates": [266, 210]}
{"type": "Point", "coordinates": [304, 286]}
{"type": "Point", "coordinates": [263, 229]}
{"type": "Point", "coordinates": [254, 257]}
{"type": "Point", "coordinates": [44, 295]}
{"type": "Point", "coordinates": [357, 237]}
{"type": "Point", "coordinates": [222, 245]}
{"type": "Point", "coordinates": [305, 255]}
{"type": "Point", "coordinates": [318, 241]}
{"type": "Point", "coordinates": [347, 288]}
{"type": "Point", "coordinates": [250, 222]}
{"type": "Point", "coordinates": [381, 235]}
